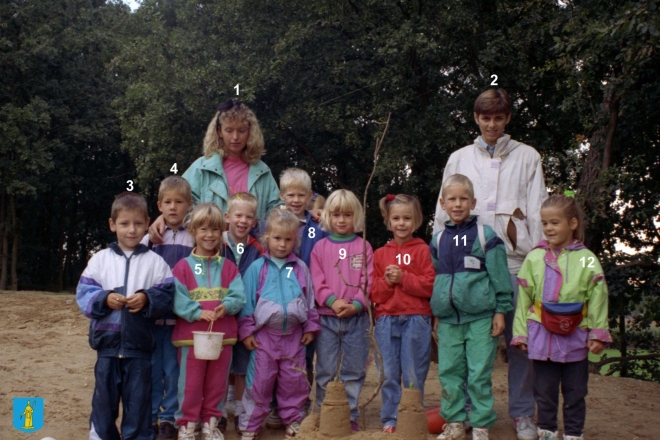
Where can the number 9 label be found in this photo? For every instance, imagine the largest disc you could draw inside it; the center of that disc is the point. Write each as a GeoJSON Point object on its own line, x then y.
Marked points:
{"type": "Point", "coordinates": [342, 253]}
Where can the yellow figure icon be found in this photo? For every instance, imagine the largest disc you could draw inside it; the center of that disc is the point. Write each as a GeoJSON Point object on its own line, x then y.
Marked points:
{"type": "Point", "coordinates": [27, 424]}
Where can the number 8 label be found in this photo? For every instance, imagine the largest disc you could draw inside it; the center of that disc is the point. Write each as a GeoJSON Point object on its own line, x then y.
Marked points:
{"type": "Point", "coordinates": [312, 233]}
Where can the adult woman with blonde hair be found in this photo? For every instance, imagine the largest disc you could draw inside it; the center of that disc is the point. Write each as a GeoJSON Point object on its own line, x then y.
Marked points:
{"type": "Point", "coordinates": [233, 146]}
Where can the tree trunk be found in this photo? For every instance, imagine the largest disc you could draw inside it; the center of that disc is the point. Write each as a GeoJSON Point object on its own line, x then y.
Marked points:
{"type": "Point", "coordinates": [613, 106]}
{"type": "Point", "coordinates": [623, 344]}
{"type": "Point", "coordinates": [4, 247]}
{"type": "Point", "coordinates": [14, 245]}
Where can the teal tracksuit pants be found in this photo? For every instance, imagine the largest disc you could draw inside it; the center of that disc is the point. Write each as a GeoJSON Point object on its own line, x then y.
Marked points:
{"type": "Point", "coordinates": [466, 354]}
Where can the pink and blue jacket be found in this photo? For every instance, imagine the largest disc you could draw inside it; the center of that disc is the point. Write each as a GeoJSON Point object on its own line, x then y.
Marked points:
{"type": "Point", "coordinates": [278, 298]}
{"type": "Point", "coordinates": [203, 283]}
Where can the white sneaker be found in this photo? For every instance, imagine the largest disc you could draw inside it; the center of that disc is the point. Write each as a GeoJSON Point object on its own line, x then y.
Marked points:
{"type": "Point", "coordinates": [525, 428]}
{"type": "Point", "coordinates": [292, 430]}
{"type": "Point", "coordinates": [210, 430]}
{"type": "Point", "coordinates": [230, 407]}
{"type": "Point", "coordinates": [187, 432]}
{"type": "Point", "coordinates": [248, 435]}
{"type": "Point", "coordinates": [545, 434]}
{"type": "Point", "coordinates": [479, 434]}
{"type": "Point", "coordinates": [452, 431]}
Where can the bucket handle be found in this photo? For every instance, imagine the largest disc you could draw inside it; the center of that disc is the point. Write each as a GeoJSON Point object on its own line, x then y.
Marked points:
{"type": "Point", "coordinates": [209, 329]}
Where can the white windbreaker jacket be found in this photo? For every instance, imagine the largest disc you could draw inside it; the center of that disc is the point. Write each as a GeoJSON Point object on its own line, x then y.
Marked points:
{"type": "Point", "coordinates": [509, 188]}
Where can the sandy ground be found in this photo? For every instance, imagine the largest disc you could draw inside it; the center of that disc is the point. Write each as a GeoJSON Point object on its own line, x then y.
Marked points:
{"type": "Point", "coordinates": [45, 354]}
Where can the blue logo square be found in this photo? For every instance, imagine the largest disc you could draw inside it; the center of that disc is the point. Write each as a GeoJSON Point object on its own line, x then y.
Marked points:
{"type": "Point", "coordinates": [28, 413]}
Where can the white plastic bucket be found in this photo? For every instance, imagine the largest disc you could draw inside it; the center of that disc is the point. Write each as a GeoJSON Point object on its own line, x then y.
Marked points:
{"type": "Point", "coordinates": [208, 345]}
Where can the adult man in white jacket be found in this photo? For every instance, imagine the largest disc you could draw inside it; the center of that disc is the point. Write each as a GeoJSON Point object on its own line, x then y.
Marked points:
{"type": "Point", "coordinates": [509, 187]}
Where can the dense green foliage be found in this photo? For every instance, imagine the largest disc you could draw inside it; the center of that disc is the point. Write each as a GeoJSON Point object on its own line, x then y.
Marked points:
{"type": "Point", "coordinates": [92, 95]}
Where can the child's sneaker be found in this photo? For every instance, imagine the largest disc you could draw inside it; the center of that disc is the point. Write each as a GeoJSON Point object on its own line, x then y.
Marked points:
{"type": "Point", "coordinates": [292, 430]}
{"type": "Point", "coordinates": [545, 434]}
{"type": "Point", "coordinates": [273, 421]}
{"type": "Point", "coordinates": [230, 407]}
{"type": "Point", "coordinates": [452, 431]}
{"type": "Point", "coordinates": [187, 432]}
{"type": "Point", "coordinates": [248, 435]}
{"type": "Point", "coordinates": [479, 434]}
{"type": "Point", "coordinates": [210, 430]}
{"type": "Point", "coordinates": [525, 428]}
{"type": "Point", "coordinates": [355, 427]}
{"type": "Point", "coordinates": [573, 437]}
{"type": "Point", "coordinates": [389, 429]}
{"type": "Point", "coordinates": [166, 431]}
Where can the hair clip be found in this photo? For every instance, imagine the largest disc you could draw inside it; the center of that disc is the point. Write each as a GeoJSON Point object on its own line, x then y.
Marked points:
{"type": "Point", "coordinates": [389, 197]}
{"type": "Point", "coordinates": [239, 196]}
{"type": "Point", "coordinates": [569, 193]}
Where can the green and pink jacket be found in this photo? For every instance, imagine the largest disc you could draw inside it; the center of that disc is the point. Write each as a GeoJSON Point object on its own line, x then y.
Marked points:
{"type": "Point", "coordinates": [574, 275]}
{"type": "Point", "coordinates": [203, 283]}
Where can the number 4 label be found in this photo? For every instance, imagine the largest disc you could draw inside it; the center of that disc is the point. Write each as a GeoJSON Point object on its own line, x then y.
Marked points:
{"type": "Point", "coordinates": [174, 169]}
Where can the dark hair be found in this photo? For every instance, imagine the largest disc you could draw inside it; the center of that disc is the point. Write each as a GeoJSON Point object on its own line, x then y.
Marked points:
{"type": "Point", "coordinates": [128, 201]}
{"type": "Point", "coordinates": [571, 209]}
{"type": "Point", "coordinates": [492, 102]}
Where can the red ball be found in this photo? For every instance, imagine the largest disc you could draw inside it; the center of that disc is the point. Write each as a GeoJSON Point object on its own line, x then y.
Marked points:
{"type": "Point", "coordinates": [436, 422]}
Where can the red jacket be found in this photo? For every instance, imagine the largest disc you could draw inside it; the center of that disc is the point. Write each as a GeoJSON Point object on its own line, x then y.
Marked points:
{"type": "Point", "coordinates": [412, 295]}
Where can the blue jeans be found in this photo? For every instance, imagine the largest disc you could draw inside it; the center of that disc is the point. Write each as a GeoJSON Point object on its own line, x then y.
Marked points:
{"type": "Point", "coordinates": [164, 375]}
{"type": "Point", "coordinates": [405, 343]}
{"type": "Point", "coordinates": [344, 339]}
{"type": "Point", "coordinates": [521, 371]}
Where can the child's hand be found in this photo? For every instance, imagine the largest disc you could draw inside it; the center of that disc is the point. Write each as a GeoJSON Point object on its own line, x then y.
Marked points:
{"type": "Point", "coordinates": [338, 305]}
{"type": "Point", "coordinates": [115, 301]}
{"type": "Point", "coordinates": [207, 315]}
{"type": "Point", "coordinates": [522, 347]}
{"type": "Point", "coordinates": [250, 343]}
{"type": "Point", "coordinates": [596, 347]}
{"type": "Point", "coordinates": [316, 214]}
{"type": "Point", "coordinates": [220, 311]}
{"type": "Point", "coordinates": [434, 334]}
{"type": "Point", "coordinates": [307, 338]}
{"type": "Point", "coordinates": [498, 325]}
{"type": "Point", "coordinates": [347, 311]}
{"type": "Point", "coordinates": [393, 274]}
{"type": "Point", "coordinates": [136, 302]}
{"type": "Point", "coordinates": [156, 230]}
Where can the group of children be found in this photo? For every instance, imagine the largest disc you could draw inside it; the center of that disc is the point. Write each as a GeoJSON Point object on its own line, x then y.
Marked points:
{"type": "Point", "coordinates": [307, 283]}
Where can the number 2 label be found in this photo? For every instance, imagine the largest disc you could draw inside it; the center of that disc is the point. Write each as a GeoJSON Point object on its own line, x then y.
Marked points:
{"type": "Point", "coordinates": [494, 83]}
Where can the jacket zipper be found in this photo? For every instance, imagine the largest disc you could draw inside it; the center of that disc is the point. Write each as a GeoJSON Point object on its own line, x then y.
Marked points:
{"type": "Point", "coordinates": [451, 285]}
{"type": "Point", "coordinates": [279, 278]}
{"type": "Point", "coordinates": [123, 309]}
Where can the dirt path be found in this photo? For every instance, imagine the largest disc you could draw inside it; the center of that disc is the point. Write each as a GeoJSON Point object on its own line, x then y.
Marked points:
{"type": "Point", "coordinates": [45, 354]}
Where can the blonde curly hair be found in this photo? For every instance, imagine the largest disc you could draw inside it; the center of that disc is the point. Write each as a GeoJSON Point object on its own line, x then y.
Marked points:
{"type": "Point", "coordinates": [232, 111]}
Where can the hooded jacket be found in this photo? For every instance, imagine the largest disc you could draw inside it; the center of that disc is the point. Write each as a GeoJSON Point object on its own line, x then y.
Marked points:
{"type": "Point", "coordinates": [573, 276]}
{"type": "Point", "coordinates": [471, 283]}
{"type": "Point", "coordinates": [412, 295]}
{"type": "Point", "coordinates": [509, 188]}
{"type": "Point", "coordinates": [119, 333]}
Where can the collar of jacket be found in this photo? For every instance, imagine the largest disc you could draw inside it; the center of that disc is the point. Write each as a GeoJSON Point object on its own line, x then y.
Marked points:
{"type": "Point", "coordinates": [138, 250]}
{"type": "Point", "coordinates": [292, 258]}
{"type": "Point", "coordinates": [503, 146]}
{"type": "Point", "coordinates": [202, 258]}
{"type": "Point", "coordinates": [214, 164]}
{"type": "Point", "coordinates": [466, 224]}
{"type": "Point", "coordinates": [576, 245]}
{"type": "Point", "coordinates": [413, 242]}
